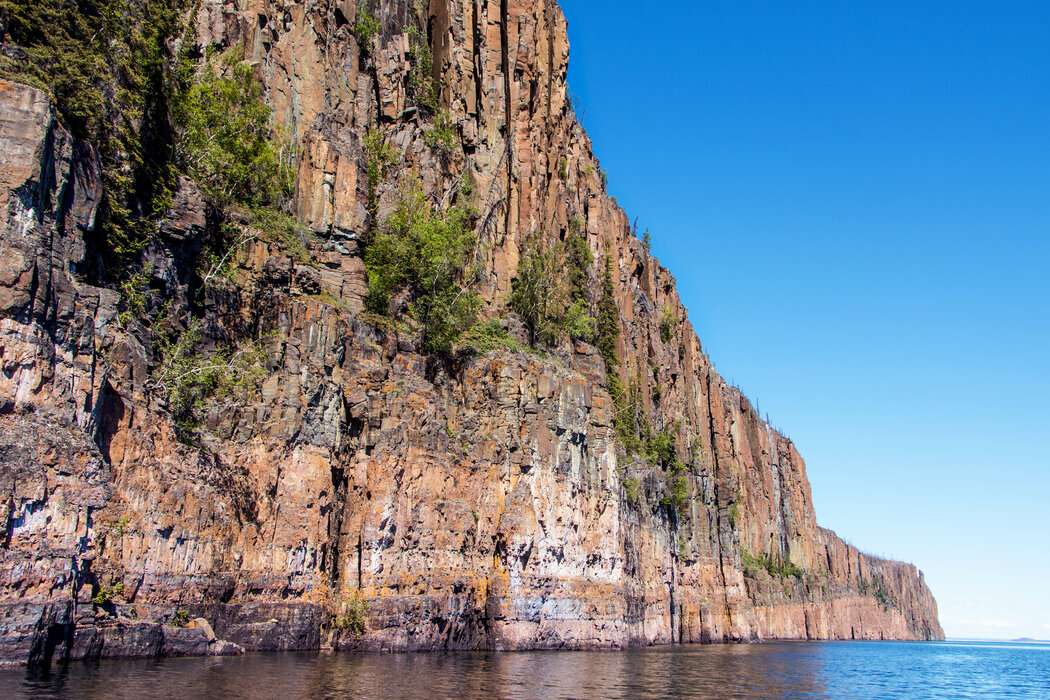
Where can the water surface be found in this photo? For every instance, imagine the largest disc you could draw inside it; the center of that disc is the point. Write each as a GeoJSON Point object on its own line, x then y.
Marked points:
{"type": "Point", "coordinates": [772, 670]}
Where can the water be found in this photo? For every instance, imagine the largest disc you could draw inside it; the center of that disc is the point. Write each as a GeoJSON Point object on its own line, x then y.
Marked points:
{"type": "Point", "coordinates": [774, 670]}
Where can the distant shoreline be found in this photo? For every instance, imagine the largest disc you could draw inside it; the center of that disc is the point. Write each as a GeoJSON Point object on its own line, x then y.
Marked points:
{"type": "Point", "coordinates": [1021, 640]}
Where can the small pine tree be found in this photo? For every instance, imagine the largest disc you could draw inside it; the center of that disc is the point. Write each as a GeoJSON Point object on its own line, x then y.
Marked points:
{"type": "Point", "coordinates": [534, 297]}
{"type": "Point", "coordinates": [608, 321]}
{"type": "Point", "coordinates": [667, 323]}
{"type": "Point", "coordinates": [379, 156]}
{"type": "Point", "coordinates": [550, 290]}
{"type": "Point", "coordinates": [578, 261]}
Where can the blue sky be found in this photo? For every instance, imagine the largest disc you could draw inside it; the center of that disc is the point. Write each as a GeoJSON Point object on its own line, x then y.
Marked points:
{"type": "Point", "coordinates": [855, 199]}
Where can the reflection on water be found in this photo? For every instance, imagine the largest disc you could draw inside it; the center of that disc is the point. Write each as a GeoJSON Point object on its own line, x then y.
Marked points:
{"type": "Point", "coordinates": [774, 670]}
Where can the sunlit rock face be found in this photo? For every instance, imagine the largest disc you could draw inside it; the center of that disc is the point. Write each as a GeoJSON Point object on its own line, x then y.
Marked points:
{"type": "Point", "coordinates": [478, 502]}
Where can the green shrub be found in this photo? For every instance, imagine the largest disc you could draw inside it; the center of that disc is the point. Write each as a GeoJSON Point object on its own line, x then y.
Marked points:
{"type": "Point", "coordinates": [442, 136]}
{"type": "Point", "coordinates": [886, 599]}
{"type": "Point", "coordinates": [676, 495]}
{"type": "Point", "coordinates": [108, 594]}
{"type": "Point", "coordinates": [783, 568]}
{"type": "Point", "coordinates": [694, 450]}
{"type": "Point", "coordinates": [608, 320]}
{"type": "Point", "coordinates": [188, 379]}
{"type": "Point", "coordinates": [122, 525]}
{"type": "Point", "coordinates": [379, 156]}
{"type": "Point", "coordinates": [489, 336]}
{"type": "Point", "coordinates": [216, 258]}
{"type": "Point", "coordinates": [422, 86]}
{"type": "Point", "coordinates": [180, 618]}
{"type": "Point", "coordinates": [631, 421]}
{"type": "Point", "coordinates": [662, 447]}
{"type": "Point", "coordinates": [326, 297]}
{"type": "Point", "coordinates": [282, 229]}
{"type": "Point", "coordinates": [578, 262]}
{"type": "Point", "coordinates": [536, 296]}
{"type": "Point", "coordinates": [226, 137]}
{"type": "Point", "coordinates": [366, 28]}
{"type": "Point", "coordinates": [632, 487]}
{"type": "Point", "coordinates": [352, 616]}
{"type": "Point", "coordinates": [134, 293]}
{"type": "Point", "coordinates": [227, 141]}
{"type": "Point", "coordinates": [776, 567]}
{"type": "Point", "coordinates": [552, 305]}
{"type": "Point", "coordinates": [668, 320]}
{"type": "Point", "coordinates": [753, 566]}
{"type": "Point", "coordinates": [424, 254]}
{"type": "Point", "coordinates": [577, 323]}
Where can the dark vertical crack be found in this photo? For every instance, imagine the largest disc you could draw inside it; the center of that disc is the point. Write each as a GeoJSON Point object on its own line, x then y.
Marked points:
{"type": "Point", "coordinates": [335, 523]}
{"type": "Point", "coordinates": [360, 559]}
{"type": "Point", "coordinates": [718, 510]}
{"type": "Point", "coordinates": [550, 63]}
{"type": "Point", "coordinates": [508, 125]}
{"type": "Point", "coordinates": [478, 64]}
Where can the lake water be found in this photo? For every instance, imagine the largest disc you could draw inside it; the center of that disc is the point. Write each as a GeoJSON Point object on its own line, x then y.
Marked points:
{"type": "Point", "coordinates": [772, 670]}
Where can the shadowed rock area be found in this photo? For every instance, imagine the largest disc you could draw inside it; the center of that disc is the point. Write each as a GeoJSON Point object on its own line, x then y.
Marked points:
{"type": "Point", "coordinates": [464, 501]}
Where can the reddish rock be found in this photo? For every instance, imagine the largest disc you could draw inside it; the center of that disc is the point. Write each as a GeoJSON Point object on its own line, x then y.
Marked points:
{"type": "Point", "coordinates": [477, 503]}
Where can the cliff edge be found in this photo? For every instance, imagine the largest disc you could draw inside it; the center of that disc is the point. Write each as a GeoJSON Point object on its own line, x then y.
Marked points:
{"type": "Point", "coordinates": [362, 491]}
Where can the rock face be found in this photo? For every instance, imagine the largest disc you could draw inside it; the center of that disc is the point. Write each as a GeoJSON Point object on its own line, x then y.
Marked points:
{"type": "Point", "coordinates": [470, 503]}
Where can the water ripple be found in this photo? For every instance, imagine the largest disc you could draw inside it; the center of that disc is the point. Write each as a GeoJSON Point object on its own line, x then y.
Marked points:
{"type": "Point", "coordinates": [783, 670]}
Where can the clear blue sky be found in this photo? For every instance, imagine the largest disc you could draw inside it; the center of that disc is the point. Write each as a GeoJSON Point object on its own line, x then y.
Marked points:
{"type": "Point", "coordinates": [855, 199]}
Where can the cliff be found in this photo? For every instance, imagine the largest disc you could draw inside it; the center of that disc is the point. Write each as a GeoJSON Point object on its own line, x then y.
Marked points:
{"type": "Point", "coordinates": [365, 493]}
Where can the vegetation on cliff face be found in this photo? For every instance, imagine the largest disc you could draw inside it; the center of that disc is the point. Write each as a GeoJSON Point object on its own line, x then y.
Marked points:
{"type": "Point", "coordinates": [226, 139]}
{"type": "Point", "coordinates": [151, 115]}
{"type": "Point", "coordinates": [379, 157]}
{"type": "Point", "coordinates": [190, 380]}
{"type": "Point", "coordinates": [535, 296]}
{"type": "Point", "coordinates": [420, 260]}
{"type": "Point", "coordinates": [148, 114]}
{"type": "Point", "coordinates": [608, 320]}
{"type": "Point", "coordinates": [105, 64]}
{"type": "Point", "coordinates": [442, 136]}
{"type": "Point", "coordinates": [877, 587]}
{"type": "Point", "coordinates": [366, 28]}
{"type": "Point", "coordinates": [421, 84]}
{"type": "Point", "coordinates": [351, 616]}
{"type": "Point", "coordinates": [489, 336]}
{"type": "Point", "coordinates": [776, 567]}
{"type": "Point", "coordinates": [662, 451]}
{"type": "Point", "coordinates": [551, 303]}
{"type": "Point", "coordinates": [668, 320]}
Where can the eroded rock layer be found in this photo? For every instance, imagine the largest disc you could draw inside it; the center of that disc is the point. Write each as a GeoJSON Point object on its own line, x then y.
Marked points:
{"type": "Point", "coordinates": [470, 503]}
